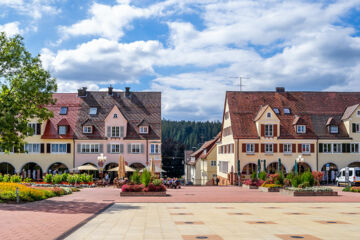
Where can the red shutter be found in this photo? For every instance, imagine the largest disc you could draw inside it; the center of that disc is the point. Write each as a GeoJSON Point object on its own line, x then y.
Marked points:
{"type": "Point", "coordinates": [275, 130]}
{"type": "Point", "coordinates": [256, 147]}
{"type": "Point", "coordinates": [262, 130]}
{"type": "Point", "coordinates": [244, 147]}
{"type": "Point", "coordinates": [312, 148]}
{"type": "Point", "coordinates": [262, 147]}
{"type": "Point", "coordinates": [281, 148]}
{"type": "Point", "coordinates": [299, 148]}
{"type": "Point", "coordinates": [294, 148]}
{"type": "Point", "coordinates": [275, 147]}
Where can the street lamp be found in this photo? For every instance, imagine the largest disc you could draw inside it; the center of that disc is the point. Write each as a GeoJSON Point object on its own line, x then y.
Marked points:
{"type": "Point", "coordinates": [101, 162]}
{"type": "Point", "coordinates": [298, 160]}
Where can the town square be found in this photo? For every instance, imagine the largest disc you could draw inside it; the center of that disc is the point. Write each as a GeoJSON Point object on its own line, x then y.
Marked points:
{"type": "Point", "coordinates": [169, 119]}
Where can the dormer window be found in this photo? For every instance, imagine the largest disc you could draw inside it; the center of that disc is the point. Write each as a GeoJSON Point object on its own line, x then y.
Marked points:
{"type": "Point", "coordinates": [115, 115]}
{"type": "Point", "coordinates": [93, 111]}
{"type": "Point", "coordinates": [358, 113]}
{"type": "Point", "coordinates": [334, 129]}
{"type": "Point", "coordinates": [87, 129]}
{"type": "Point", "coordinates": [300, 128]}
{"type": "Point", "coordinates": [276, 110]}
{"type": "Point", "coordinates": [269, 130]}
{"type": "Point", "coordinates": [63, 110]}
{"type": "Point", "coordinates": [144, 129]}
{"type": "Point", "coordinates": [268, 115]}
{"type": "Point", "coordinates": [62, 130]}
{"type": "Point", "coordinates": [287, 111]}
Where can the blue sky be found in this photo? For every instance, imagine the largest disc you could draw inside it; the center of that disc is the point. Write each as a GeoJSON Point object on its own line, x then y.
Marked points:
{"type": "Point", "coordinates": [191, 49]}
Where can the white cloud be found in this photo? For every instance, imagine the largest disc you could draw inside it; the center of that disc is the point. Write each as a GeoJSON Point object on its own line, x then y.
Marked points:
{"type": "Point", "coordinates": [11, 29]}
{"type": "Point", "coordinates": [32, 8]}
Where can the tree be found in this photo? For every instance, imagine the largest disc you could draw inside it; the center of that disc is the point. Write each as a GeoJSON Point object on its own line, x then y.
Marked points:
{"type": "Point", "coordinates": [25, 89]}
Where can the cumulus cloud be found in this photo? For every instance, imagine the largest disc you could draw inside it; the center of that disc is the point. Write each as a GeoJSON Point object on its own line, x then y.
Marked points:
{"type": "Point", "coordinates": [33, 8]}
{"type": "Point", "coordinates": [11, 28]}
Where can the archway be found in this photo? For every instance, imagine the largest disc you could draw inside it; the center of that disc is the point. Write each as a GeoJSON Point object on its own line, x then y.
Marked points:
{"type": "Point", "coordinates": [95, 173]}
{"type": "Point", "coordinates": [330, 174]}
{"type": "Point", "coordinates": [274, 168]}
{"type": "Point", "coordinates": [31, 170]}
{"type": "Point", "coordinates": [58, 167]}
{"type": "Point", "coordinates": [354, 164]}
{"type": "Point", "coordinates": [137, 166]}
{"type": "Point", "coordinates": [248, 169]}
{"type": "Point", "coordinates": [111, 174]}
{"type": "Point", "coordinates": [302, 167]}
{"type": "Point", "coordinates": [7, 168]}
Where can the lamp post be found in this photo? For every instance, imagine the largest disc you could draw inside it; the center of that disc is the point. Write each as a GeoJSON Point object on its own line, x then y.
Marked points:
{"type": "Point", "coordinates": [298, 160]}
{"type": "Point", "coordinates": [101, 162]}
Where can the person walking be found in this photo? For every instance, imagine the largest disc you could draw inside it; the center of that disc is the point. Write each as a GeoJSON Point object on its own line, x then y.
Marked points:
{"type": "Point", "coordinates": [217, 181]}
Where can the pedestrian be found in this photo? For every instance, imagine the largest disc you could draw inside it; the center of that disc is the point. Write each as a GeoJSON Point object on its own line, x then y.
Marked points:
{"type": "Point", "coordinates": [107, 178]}
{"type": "Point", "coordinates": [332, 176]}
{"type": "Point", "coordinates": [217, 181]}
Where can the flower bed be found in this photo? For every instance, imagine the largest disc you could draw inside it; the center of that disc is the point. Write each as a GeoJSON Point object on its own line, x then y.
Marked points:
{"type": "Point", "coordinates": [64, 184]}
{"type": "Point", "coordinates": [308, 191]}
{"type": "Point", "coordinates": [351, 189]}
{"type": "Point", "coordinates": [141, 190]}
{"type": "Point", "coordinates": [270, 187]}
{"type": "Point", "coordinates": [29, 193]}
{"type": "Point", "coordinates": [252, 183]}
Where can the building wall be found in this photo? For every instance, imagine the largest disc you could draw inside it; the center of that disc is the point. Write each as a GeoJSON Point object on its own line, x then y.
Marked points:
{"type": "Point", "coordinates": [211, 170]}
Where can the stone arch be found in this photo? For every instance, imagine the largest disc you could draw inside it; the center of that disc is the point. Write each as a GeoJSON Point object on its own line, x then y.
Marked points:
{"type": "Point", "coordinates": [93, 172]}
{"type": "Point", "coordinates": [7, 168]}
{"type": "Point", "coordinates": [302, 167]}
{"type": "Point", "coordinates": [110, 165]}
{"type": "Point", "coordinates": [249, 168]}
{"type": "Point", "coordinates": [31, 170]}
{"type": "Point", "coordinates": [328, 175]}
{"type": "Point", "coordinates": [137, 165]}
{"type": "Point", "coordinates": [273, 167]}
{"type": "Point", "coordinates": [59, 167]}
{"type": "Point", "coordinates": [354, 164]}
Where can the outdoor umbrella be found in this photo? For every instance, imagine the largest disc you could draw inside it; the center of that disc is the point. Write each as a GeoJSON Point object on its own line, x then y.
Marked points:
{"type": "Point", "coordinates": [152, 166]}
{"type": "Point", "coordinates": [259, 166]}
{"type": "Point", "coordinates": [121, 170]}
{"type": "Point", "coordinates": [264, 165]}
{"type": "Point", "coordinates": [88, 167]}
{"type": "Point", "coordinates": [127, 169]}
{"type": "Point", "coordinates": [279, 165]}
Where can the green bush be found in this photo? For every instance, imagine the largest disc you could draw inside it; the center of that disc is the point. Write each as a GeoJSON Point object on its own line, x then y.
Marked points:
{"type": "Point", "coordinates": [262, 175]}
{"type": "Point", "coordinates": [6, 178]}
{"type": "Point", "coordinates": [145, 177]}
{"type": "Point", "coordinates": [135, 177]}
{"type": "Point", "coordinates": [27, 180]}
{"type": "Point", "coordinates": [48, 178]}
{"type": "Point", "coordinates": [347, 189]}
{"type": "Point", "coordinates": [71, 179]}
{"type": "Point", "coordinates": [307, 177]}
{"type": "Point", "coordinates": [89, 178]}
{"type": "Point", "coordinates": [1, 177]}
{"type": "Point", "coordinates": [15, 179]}
{"type": "Point", "coordinates": [295, 181]}
{"type": "Point", "coordinates": [57, 179]}
{"type": "Point", "coordinates": [253, 176]}
{"type": "Point", "coordinates": [83, 178]}
{"type": "Point", "coordinates": [77, 178]}
{"type": "Point", "coordinates": [8, 195]}
{"type": "Point", "coordinates": [64, 177]}
{"type": "Point", "coordinates": [157, 182]}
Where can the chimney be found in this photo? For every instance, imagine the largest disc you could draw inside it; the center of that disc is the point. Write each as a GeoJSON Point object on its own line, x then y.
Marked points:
{"type": "Point", "coordinates": [127, 92]}
{"type": "Point", "coordinates": [110, 90]}
{"type": "Point", "coordinates": [82, 92]}
{"type": "Point", "coordinates": [280, 89]}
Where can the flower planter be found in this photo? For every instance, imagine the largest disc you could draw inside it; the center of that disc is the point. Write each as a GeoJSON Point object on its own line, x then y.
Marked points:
{"type": "Point", "coordinates": [270, 189]}
{"type": "Point", "coordinates": [306, 193]}
{"type": "Point", "coordinates": [143, 194]}
{"type": "Point", "coordinates": [250, 186]}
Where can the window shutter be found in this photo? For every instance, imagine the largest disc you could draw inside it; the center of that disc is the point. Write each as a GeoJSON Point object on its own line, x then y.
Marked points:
{"type": "Point", "coordinates": [42, 148]}
{"type": "Point", "coordinates": [299, 148]}
{"type": "Point", "coordinates": [68, 148]}
{"type": "Point", "coordinates": [108, 131]}
{"type": "Point", "coordinates": [244, 147]}
{"type": "Point", "coordinates": [256, 147]}
{"type": "Point", "coordinates": [142, 148]}
{"type": "Point", "coordinates": [262, 130]}
{"type": "Point", "coordinates": [101, 148]}
{"type": "Point", "coordinates": [321, 147]}
{"type": "Point", "coordinates": [38, 129]}
{"type": "Point", "coordinates": [48, 148]}
{"type": "Point", "coordinates": [262, 147]}
{"type": "Point", "coordinates": [312, 147]}
{"type": "Point", "coordinates": [353, 127]}
{"type": "Point", "coordinates": [294, 148]}
{"type": "Point", "coordinates": [129, 148]}
{"type": "Point", "coordinates": [108, 146]}
{"type": "Point", "coordinates": [121, 131]}
{"type": "Point", "coordinates": [275, 130]}
{"type": "Point", "coordinates": [275, 147]}
{"type": "Point", "coordinates": [78, 146]}
{"type": "Point", "coordinates": [121, 148]}
{"type": "Point", "coordinates": [281, 148]}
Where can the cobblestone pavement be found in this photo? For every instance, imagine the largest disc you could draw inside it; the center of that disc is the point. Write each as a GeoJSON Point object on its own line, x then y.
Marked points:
{"type": "Point", "coordinates": [56, 217]}
{"type": "Point", "coordinates": [224, 221]}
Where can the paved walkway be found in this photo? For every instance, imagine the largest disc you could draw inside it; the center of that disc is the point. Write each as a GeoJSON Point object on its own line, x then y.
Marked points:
{"type": "Point", "coordinates": [51, 218]}
{"type": "Point", "coordinates": [176, 221]}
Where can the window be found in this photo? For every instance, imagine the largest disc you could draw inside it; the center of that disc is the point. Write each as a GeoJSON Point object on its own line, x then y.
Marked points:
{"type": "Point", "coordinates": [305, 148]}
{"type": "Point", "coordinates": [115, 131]}
{"type": "Point", "coordinates": [144, 129]}
{"type": "Point", "coordinates": [62, 130]}
{"type": "Point", "coordinates": [90, 148]}
{"type": "Point", "coordinates": [135, 148]}
{"type": "Point", "coordinates": [115, 115]}
{"type": "Point", "coordinates": [269, 130]}
{"type": "Point", "coordinates": [327, 148]}
{"type": "Point", "coordinates": [93, 111]}
{"type": "Point", "coordinates": [358, 113]}
{"type": "Point", "coordinates": [287, 111]}
{"type": "Point", "coordinates": [269, 148]}
{"type": "Point", "coordinates": [357, 173]}
{"type": "Point", "coordinates": [356, 127]}
{"type": "Point", "coordinates": [87, 129]}
{"type": "Point", "coordinates": [276, 110]}
{"type": "Point", "coordinates": [58, 148]}
{"type": "Point", "coordinates": [301, 129]}
{"type": "Point", "coordinates": [288, 148]}
{"type": "Point", "coordinates": [213, 163]}
{"type": "Point", "coordinates": [268, 115]}
{"type": "Point", "coordinates": [155, 148]}
{"type": "Point", "coordinates": [334, 129]}
{"type": "Point", "coordinates": [227, 131]}
{"type": "Point", "coordinates": [63, 110]}
{"type": "Point", "coordinates": [115, 148]}
{"type": "Point", "coordinates": [36, 128]}
{"type": "Point", "coordinates": [226, 115]}
{"type": "Point", "coordinates": [354, 148]}
{"type": "Point", "coordinates": [337, 148]}
{"type": "Point", "coordinates": [250, 148]}
{"type": "Point", "coordinates": [32, 148]}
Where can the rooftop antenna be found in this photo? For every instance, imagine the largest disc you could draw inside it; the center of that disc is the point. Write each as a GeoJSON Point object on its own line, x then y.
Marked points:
{"type": "Point", "coordinates": [240, 80]}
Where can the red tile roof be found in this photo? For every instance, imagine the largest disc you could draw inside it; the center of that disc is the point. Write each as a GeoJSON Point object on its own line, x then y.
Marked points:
{"type": "Point", "coordinates": [312, 108]}
{"type": "Point", "coordinates": [208, 145]}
